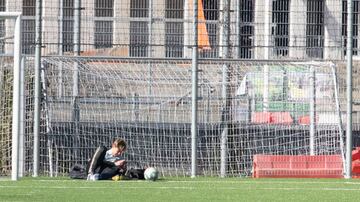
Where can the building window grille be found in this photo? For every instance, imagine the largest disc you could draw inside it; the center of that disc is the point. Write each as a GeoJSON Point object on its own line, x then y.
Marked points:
{"type": "Point", "coordinates": [280, 27]}
{"type": "Point", "coordinates": [139, 28]}
{"type": "Point", "coordinates": [104, 12]}
{"type": "Point", "coordinates": [28, 26]}
{"type": "Point", "coordinates": [246, 28]}
{"type": "Point", "coordinates": [315, 29]}
{"type": "Point", "coordinates": [68, 26]}
{"type": "Point", "coordinates": [174, 28]}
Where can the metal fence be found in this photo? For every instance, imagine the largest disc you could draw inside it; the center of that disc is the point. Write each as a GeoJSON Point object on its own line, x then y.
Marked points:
{"type": "Point", "coordinates": [151, 30]}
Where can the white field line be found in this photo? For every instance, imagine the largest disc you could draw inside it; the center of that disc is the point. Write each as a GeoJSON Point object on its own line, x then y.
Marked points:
{"type": "Point", "coordinates": [255, 181]}
{"type": "Point", "coordinates": [184, 188]}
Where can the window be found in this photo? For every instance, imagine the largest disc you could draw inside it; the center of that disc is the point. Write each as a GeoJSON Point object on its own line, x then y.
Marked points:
{"type": "Point", "coordinates": [315, 28]}
{"type": "Point", "coordinates": [139, 8]}
{"type": "Point", "coordinates": [104, 8]}
{"type": "Point", "coordinates": [2, 5]}
{"type": "Point", "coordinates": [174, 28]}
{"type": "Point", "coordinates": [139, 30]}
{"type": "Point", "coordinates": [28, 27]}
{"type": "Point", "coordinates": [246, 29]}
{"type": "Point", "coordinates": [2, 27]}
{"type": "Point", "coordinates": [139, 39]}
{"type": "Point", "coordinates": [68, 25]}
{"type": "Point", "coordinates": [29, 8]}
{"type": "Point", "coordinates": [104, 12]}
{"type": "Point", "coordinates": [355, 25]}
{"type": "Point", "coordinates": [280, 28]}
{"type": "Point", "coordinates": [211, 12]}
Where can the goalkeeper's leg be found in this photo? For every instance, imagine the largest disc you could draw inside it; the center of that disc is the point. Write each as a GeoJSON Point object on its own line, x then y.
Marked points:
{"type": "Point", "coordinates": [108, 173]}
{"type": "Point", "coordinates": [96, 160]}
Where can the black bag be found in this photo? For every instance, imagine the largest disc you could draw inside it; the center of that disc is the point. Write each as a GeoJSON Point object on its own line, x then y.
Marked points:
{"type": "Point", "coordinates": [135, 174]}
{"type": "Point", "coordinates": [78, 172]}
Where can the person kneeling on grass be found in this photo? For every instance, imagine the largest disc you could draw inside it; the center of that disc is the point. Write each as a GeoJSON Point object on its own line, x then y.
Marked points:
{"type": "Point", "coordinates": [105, 164]}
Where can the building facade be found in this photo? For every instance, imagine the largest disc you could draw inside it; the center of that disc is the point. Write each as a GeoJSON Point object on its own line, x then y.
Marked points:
{"type": "Point", "coordinates": [257, 29]}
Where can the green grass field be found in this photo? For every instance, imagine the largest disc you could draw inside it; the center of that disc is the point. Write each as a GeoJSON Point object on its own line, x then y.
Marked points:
{"type": "Point", "coordinates": [181, 189]}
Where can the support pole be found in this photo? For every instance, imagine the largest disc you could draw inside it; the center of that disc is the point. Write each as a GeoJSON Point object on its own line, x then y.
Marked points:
{"type": "Point", "coordinates": [267, 44]}
{"type": "Point", "coordinates": [61, 46]}
{"type": "Point", "coordinates": [238, 29]}
{"type": "Point", "coordinates": [194, 104]}
{"type": "Point", "coordinates": [225, 88]}
{"type": "Point", "coordinates": [312, 109]}
{"type": "Point", "coordinates": [150, 48]}
{"type": "Point", "coordinates": [187, 30]}
{"type": "Point", "coordinates": [150, 25]}
{"type": "Point", "coordinates": [22, 118]}
{"type": "Point", "coordinates": [37, 97]}
{"type": "Point", "coordinates": [75, 102]}
{"type": "Point", "coordinates": [349, 53]}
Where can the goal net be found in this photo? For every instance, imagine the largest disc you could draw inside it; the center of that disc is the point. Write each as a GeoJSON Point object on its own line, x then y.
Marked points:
{"type": "Point", "coordinates": [12, 97]}
{"type": "Point", "coordinates": [278, 108]}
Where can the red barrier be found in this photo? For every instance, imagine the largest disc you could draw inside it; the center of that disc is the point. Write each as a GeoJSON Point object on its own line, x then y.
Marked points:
{"type": "Point", "coordinates": [356, 163]}
{"type": "Point", "coordinates": [356, 154]}
{"type": "Point", "coordinates": [304, 120]}
{"type": "Point", "coordinates": [300, 166]}
{"type": "Point", "coordinates": [271, 118]}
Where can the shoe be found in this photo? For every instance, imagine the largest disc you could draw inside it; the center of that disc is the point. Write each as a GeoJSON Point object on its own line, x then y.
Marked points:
{"type": "Point", "coordinates": [92, 177]}
{"type": "Point", "coordinates": [117, 178]}
{"type": "Point", "coordinates": [89, 177]}
{"type": "Point", "coordinates": [95, 177]}
{"type": "Point", "coordinates": [127, 174]}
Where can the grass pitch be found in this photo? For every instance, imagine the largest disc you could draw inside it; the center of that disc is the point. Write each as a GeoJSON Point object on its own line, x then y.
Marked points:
{"type": "Point", "coordinates": [181, 189]}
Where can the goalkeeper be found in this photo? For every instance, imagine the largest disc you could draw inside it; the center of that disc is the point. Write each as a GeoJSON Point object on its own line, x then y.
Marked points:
{"type": "Point", "coordinates": [105, 163]}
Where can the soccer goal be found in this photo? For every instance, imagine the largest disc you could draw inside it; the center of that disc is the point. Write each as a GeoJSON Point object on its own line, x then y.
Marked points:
{"type": "Point", "coordinates": [269, 108]}
{"type": "Point", "coordinates": [10, 93]}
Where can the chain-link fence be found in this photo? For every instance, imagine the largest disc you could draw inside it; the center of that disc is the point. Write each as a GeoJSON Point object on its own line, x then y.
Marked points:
{"type": "Point", "coordinates": [141, 88]}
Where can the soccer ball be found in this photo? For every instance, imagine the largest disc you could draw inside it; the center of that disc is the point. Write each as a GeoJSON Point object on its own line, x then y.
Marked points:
{"type": "Point", "coordinates": [151, 174]}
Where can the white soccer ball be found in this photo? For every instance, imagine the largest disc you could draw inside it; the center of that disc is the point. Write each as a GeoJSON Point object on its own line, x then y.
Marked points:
{"type": "Point", "coordinates": [151, 174]}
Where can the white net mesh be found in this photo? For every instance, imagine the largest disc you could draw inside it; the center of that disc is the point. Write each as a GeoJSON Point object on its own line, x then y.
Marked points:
{"type": "Point", "coordinates": [148, 103]}
{"type": "Point", "coordinates": [6, 79]}
{"type": "Point", "coordinates": [6, 114]}
{"type": "Point", "coordinates": [7, 38]}
{"type": "Point", "coordinates": [6, 84]}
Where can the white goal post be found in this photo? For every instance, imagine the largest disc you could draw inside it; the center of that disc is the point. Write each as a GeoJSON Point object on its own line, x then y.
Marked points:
{"type": "Point", "coordinates": [16, 90]}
